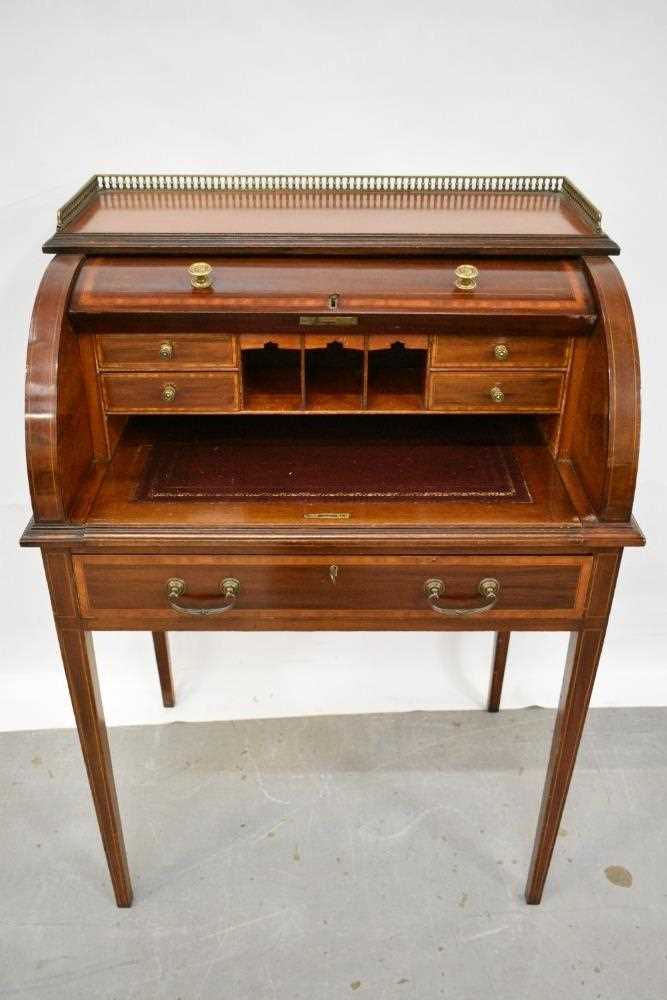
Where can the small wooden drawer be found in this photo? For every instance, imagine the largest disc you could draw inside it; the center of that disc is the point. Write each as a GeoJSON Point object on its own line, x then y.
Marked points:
{"type": "Point", "coordinates": [482, 351]}
{"type": "Point", "coordinates": [173, 392]}
{"type": "Point", "coordinates": [165, 352]}
{"type": "Point", "coordinates": [122, 586]}
{"type": "Point", "coordinates": [495, 392]}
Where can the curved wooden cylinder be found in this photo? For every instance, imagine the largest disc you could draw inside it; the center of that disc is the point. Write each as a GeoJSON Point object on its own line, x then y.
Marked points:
{"type": "Point", "coordinates": [58, 439]}
{"type": "Point", "coordinates": [602, 413]}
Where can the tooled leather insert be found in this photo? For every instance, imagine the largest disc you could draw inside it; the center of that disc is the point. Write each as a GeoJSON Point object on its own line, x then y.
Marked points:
{"type": "Point", "coordinates": [381, 458]}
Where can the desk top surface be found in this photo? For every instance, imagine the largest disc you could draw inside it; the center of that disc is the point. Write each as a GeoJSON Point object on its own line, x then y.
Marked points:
{"type": "Point", "coordinates": [351, 214]}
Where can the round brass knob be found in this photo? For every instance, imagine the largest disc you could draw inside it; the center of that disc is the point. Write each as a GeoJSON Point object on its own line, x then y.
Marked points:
{"type": "Point", "coordinates": [166, 350]}
{"type": "Point", "coordinates": [466, 277]}
{"type": "Point", "coordinates": [501, 352]}
{"type": "Point", "coordinates": [201, 274]}
{"type": "Point", "coordinates": [169, 393]}
{"type": "Point", "coordinates": [497, 394]}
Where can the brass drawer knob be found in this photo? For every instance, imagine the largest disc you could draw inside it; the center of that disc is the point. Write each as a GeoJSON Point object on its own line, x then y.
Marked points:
{"type": "Point", "coordinates": [169, 393]}
{"type": "Point", "coordinates": [501, 352]}
{"type": "Point", "coordinates": [497, 394]}
{"type": "Point", "coordinates": [201, 274]}
{"type": "Point", "coordinates": [466, 277]}
{"type": "Point", "coordinates": [166, 351]}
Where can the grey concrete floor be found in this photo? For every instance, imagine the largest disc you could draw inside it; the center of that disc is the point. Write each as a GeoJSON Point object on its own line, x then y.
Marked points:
{"type": "Point", "coordinates": [374, 856]}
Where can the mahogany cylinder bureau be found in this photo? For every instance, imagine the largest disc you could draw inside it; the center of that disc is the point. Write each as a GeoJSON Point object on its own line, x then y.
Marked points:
{"type": "Point", "coordinates": [291, 402]}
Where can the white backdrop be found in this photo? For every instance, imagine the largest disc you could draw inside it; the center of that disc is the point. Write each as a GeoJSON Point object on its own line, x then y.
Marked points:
{"type": "Point", "coordinates": [353, 86]}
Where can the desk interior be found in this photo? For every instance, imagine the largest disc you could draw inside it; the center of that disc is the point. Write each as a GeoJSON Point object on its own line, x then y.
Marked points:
{"type": "Point", "coordinates": [356, 470]}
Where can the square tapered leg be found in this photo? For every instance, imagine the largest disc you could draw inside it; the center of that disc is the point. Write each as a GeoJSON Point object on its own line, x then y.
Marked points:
{"type": "Point", "coordinates": [161, 645]}
{"type": "Point", "coordinates": [79, 662]}
{"type": "Point", "coordinates": [498, 670]}
{"type": "Point", "coordinates": [582, 661]}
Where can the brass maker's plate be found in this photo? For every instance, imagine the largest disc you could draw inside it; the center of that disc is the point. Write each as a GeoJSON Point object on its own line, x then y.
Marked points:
{"type": "Point", "coordinates": [328, 320]}
{"type": "Point", "coordinates": [333, 516]}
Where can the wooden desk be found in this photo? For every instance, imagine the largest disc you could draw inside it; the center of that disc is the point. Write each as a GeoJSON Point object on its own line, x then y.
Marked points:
{"type": "Point", "coordinates": [386, 403]}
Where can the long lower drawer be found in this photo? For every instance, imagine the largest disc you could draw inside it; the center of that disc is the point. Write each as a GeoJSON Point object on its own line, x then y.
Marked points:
{"type": "Point", "coordinates": [417, 586]}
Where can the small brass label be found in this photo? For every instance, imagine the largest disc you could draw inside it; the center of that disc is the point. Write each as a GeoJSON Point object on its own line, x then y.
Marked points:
{"type": "Point", "coordinates": [334, 515]}
{"type": "Point", "coordinates": [328, 320]}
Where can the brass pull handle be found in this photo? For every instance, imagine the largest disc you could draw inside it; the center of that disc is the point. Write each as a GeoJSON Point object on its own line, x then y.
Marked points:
{"type": "Point", "coordinates": [169, 393]}
{"type": "Point", "coordinates": [230, 588]}
{"type": "Point", "coordinates": [501, 352]}
{"type": "Point", "coordinates": [488, 588]}
{"type": "Point", "coordinates": [167, 350]}
{"type": "Point", "coordinates": [466, 277]}
{"type": "Point", "coordinates": [201, 274]}
{"type": "Point", "coordinates": [496, 394]}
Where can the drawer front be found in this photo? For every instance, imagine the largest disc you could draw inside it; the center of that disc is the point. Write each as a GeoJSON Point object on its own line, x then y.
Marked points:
{"type": "Point", "coordinates": [165, 352]}
{"type": "Point", "coordinates": [502, 287]}
{"type": "Point", "coordinates": [452, 351]}
{"type": "Point", "coordinates": [174, 392]}
{"type": "Point", "coordinates": [529, 586]}
{"type": "Point", "coordinates": [495, 392]}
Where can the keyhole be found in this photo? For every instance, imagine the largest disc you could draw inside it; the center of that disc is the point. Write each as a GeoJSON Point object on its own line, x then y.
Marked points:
{"type": "Point", "coordinates": [333, 573]}
{"type": "Point", "coordinates": [333, 301]}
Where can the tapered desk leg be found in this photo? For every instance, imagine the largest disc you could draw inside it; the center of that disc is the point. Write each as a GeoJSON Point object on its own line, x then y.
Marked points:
{"type": "Point", "coordinates": [161, 645]}
{"type": "Point", "coordinates": [582, 660]}
{"type": "Point", "coordinates": [498, 671]}
{"type": "Point", "coordinates": [79, 662]}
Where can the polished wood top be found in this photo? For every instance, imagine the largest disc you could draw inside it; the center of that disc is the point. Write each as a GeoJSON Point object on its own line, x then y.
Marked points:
{"type": "Point", "coordinates": [130, 214]}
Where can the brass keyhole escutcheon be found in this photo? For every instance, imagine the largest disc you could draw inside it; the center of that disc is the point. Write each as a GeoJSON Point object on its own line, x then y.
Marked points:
{"type": "Point", "coordinates": [333, 301]}
{"type": "Point", "coordinates": [497, 394]}
{"type": "Point", "coordinates": [201, 274]}
{"type": "Point", "coordinates": [501, 352]}
{"type": "Point", "coordinates": [169, 393]}
{"type": "Point", "coordinates": [466, 277]}
{"type": "Point", "coordinates": [333, 573]}
{"type": "Point", "coordinates": [166, 350]}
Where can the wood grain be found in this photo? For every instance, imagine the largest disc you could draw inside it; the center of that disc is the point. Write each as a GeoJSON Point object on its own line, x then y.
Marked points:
{"type": "Point", "coordinates": [121, 286]}
{"type": "Point", "coordinates": [450, 350]}
{"type": "Point", "coordinates": [580, 670]}
{"type": "Point", "coordinates": [189, 351]}
{"type": "Point", "coordinates": [201, 392]}
{"type": "Point", "coordinates": [79, 663]}
{"type": "Point", "coordinates": [542, 586]}
{"type": "Point", "coordinates": [161, 646]}
{"type": "Point", "coordinates": [501, 646]}
{"type": "Point", "coordinates": [338, 220]}
{"type": "Point", "coordinates": [458, 392]}
{"type": "Point", "coordinates": [59, 445]}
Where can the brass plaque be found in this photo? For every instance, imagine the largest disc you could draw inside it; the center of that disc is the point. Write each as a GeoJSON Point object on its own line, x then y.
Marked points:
{"type": "Point", "coordinates": [334, 516]}
{"type": "Point", "coordinates": [328, 320]}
